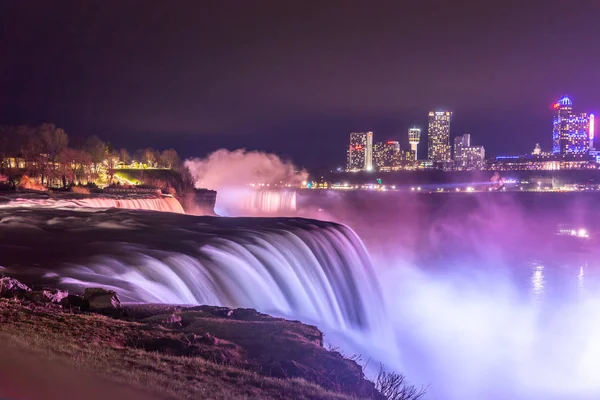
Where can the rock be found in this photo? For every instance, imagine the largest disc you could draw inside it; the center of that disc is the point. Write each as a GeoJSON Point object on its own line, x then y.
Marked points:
{"type": "Point", "coordinates": [172, 320]}
{"type": "Point", "coordinates": [221, 312]}
{"type": "Point", "coordinates": [167, 345]}
{"type": "Point", "coordinates": [10, 287]}
{"type": "Point", "coordinates": [54, 296]}
{"type": "Point", "coordinates": [101, 301]}
{"type": "Point", "coordinates": [72, 300]}
{"type": "Point", "coordinates": [208, 339]}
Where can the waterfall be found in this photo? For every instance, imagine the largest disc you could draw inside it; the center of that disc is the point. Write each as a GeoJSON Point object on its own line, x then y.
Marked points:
{"type": "Point", "coordinates": [256, 202]}
{"type": "Point", "coordinates": [154, 203]}
{"type": "Point", "coordinates": [307, 269]}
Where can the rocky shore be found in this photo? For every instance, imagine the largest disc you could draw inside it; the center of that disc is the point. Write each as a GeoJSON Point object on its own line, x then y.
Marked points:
{"type": "Point", "coordinates": [175, 352]}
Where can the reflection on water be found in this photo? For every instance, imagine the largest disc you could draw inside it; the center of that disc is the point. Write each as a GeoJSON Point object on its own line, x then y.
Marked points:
{"type": "Point", "coordinates": [537, 281]}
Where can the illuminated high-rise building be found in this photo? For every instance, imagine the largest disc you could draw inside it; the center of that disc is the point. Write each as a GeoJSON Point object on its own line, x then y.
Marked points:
{"type": "Point", "coordinates": [438, 137]}
{"type": "Point", "coordinates": [360, 152]}
{"type": "Point", "coordinates": [460, 142]}
{"type": "Point", "coordinates": [473, 157]}
{"type": "Point", "coordinates": [414, 137]}
{"type": "Point", "coordinates": [386, 156]}
{"type": "Point", "coordinates": [592, 130]}
{"type": "Point", "coordinates": [467, 156]}
{"type": "Point", "coordinates": [572, 132]}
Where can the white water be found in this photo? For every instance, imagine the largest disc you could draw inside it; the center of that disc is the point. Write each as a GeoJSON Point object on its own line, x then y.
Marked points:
{"type": "Point", "coordinates": [153, 203]}
{"type": "Point", "coordinates": [256, 202]}
{"type": "Point", "coordinates": [310, 270]}
{"type": "Point", "coordinates": [471, 335]}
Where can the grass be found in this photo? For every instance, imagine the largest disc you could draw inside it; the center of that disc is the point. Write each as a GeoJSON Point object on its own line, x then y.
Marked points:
{"type": "Point", "coordinates": [106, 348]}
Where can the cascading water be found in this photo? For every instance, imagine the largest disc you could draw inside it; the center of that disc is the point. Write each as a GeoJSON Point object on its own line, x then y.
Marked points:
{"type": "Point", "coordinates": [154, 203]}
{"type": "Point", "coordinates": [311, 270]}
{"type": "Point", "coordinates": [256, 202]}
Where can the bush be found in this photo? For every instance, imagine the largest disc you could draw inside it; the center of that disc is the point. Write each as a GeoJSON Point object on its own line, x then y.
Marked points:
{"type": "Point", "coordinates": [80, 190]}
{"type": "Point", "coordinates": [393, 386]}
{"type": "Point", "coordinates": [27, 183]}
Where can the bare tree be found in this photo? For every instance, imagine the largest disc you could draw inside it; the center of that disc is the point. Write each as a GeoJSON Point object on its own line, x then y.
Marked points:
{"type": "Point", "coordinates": [124, 156]}
{"type": "Point", "coordinates": [75, 166]}
{"type": "Point", "coordinates": [31, 149]}
{"type": "Point", "coordinates": [53, 139]}
{"type": "Point", "coordinates": [169, 159]}
{"type": "Point", "coordinates": [393, 386]}
{"type": "Point", "coordinates": [97, 150]}
{"type": "Point", "coordinates": [149, 156]}
{"type": "Point", "coordinates": [111, 166]}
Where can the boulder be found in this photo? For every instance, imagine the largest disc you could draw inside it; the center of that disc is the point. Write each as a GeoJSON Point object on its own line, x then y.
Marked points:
{"type": "Point", "coordinates": [220, 312]}
{"type": "Point", "coordinates": [10, 287]}
{"type": "Point", "coordinates": [172, 320]}
{"type": "Point", "coordinates": [101, 301]}
{"type": "Point", "coordinates": [72, 300]}
{"type": "Point", "coordinates": [54, 296]}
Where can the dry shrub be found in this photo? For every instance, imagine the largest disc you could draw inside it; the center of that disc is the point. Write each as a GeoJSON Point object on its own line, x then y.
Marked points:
{"type": "Point", "coordinates": [157, 183]}
{"type": "Point", "coordinates": [80, 190]}
{"type": "Point", "coordinates": [27, 183]}
{"type": "Point", "coordinates": [393, 386]}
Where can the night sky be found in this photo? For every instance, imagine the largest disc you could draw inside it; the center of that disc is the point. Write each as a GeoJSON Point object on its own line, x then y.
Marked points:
{"type": "Point", "coordinates": [295, 77]}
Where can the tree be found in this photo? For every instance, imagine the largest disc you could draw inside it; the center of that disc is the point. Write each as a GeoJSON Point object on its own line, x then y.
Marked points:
{"type": "Point", "coordinates": [169, 159]}
{"type": "Point", "coordinates": [111, 165]}
{"type": "Point", "coordinates": [124, 156]}
{"type": "Point", "coordinates": [54, 140]}
{"type": "Point", "coordinates": [147, 156]}
{"type": "Point", "coordinates": [393, 386]}
{"type": "Point", "coordinates": [75, 165]}
{"type": "Point", "coordinates": [31, 149]}
{"type": "Point", "coordinates": [97, 150]}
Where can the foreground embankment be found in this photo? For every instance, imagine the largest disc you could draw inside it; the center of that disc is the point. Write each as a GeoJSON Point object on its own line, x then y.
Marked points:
{"type": "Point", "coordinates": [69, 346]}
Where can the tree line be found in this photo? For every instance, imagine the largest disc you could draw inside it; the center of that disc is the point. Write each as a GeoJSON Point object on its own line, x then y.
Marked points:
{"type": "Point", "coordinates": [45, 153]}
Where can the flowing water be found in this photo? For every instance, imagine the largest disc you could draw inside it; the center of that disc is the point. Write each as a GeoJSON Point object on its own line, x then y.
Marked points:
{"type": "Point", "coordinates": [131, 202]}
{"type": "Point", "coordinates": [475, 295]}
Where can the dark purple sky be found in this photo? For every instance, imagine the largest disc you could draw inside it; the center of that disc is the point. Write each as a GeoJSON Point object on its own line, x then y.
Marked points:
{"type": "Point", "coordinates": [295, 77]}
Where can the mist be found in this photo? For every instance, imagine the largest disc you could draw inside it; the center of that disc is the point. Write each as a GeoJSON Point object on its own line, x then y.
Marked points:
{"type": "Point", "coordinates": [238, 175]}
{"type": "Point", "coordinates": [485, 300]}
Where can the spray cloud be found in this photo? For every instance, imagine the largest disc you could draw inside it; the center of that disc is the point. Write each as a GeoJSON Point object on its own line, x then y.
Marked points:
{"type": "Point", "coordinates": [231, 173]}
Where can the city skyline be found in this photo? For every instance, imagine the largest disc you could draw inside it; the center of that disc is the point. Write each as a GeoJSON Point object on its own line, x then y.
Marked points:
{"type": "Point", "coordinates": [572, 146]}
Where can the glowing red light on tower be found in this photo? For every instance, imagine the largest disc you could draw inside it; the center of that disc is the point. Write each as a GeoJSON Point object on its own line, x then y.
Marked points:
{"type": "Point", "coordinates": [391, 142]}
{"type": "Point", "coordinates": [358, 147]}
{"type": "Point", "coordinates": [556, 106]}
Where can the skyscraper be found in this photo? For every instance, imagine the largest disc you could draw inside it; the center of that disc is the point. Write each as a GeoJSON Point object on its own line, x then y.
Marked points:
{"type": "Point", "coordinates": [360, 152]}
{"type": "Point", "coordinates": [386, 156]}
{"type": "Point", "coordinates": [460, 143]}
{"type": "Point", "coordinates": [414, 137]}
{"type": "Point", "coordinates": [438, 137]}
{"type": "Point", "coordinates": [592, 130]}
{"type": "Point", "coordinates": [467, 157]}
{"type": "Point", "coordinates": [571, 132]}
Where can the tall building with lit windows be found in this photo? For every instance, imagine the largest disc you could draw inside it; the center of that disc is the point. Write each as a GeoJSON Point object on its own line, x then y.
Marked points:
{"type": "Point", "coordinates": [438, 137]}
{"type": "Point", "coordinates": [467, 157]}
{"type": "Point", "coordinates": [572, 132]}
{"type": "Point", "coordinates": [360, 152]}
{"type": "Point", "coordinates": [460, 142]}
{"type": "Point", "coordinates": [386, 155]}
{"type": "Point", "coordinates": [414, 137]}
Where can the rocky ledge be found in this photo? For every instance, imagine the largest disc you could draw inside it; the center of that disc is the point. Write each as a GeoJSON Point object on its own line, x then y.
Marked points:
{"type": "Point", "coordinates": [180, 352]}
